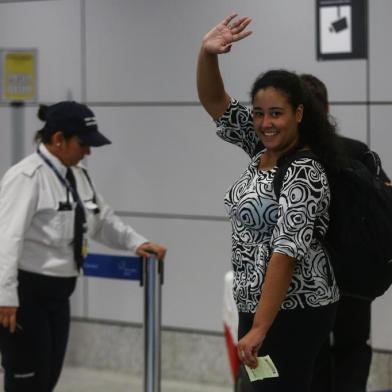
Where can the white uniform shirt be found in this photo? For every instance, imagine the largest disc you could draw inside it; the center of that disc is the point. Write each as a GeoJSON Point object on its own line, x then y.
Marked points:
{"type": "Point", "coordinates": [36, 231]}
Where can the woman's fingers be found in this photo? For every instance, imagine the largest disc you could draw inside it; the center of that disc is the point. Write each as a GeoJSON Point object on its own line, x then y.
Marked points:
{"type": "Point", "coordinates": [248, 358]}
{"type": "Point", "coordinates": [146, 249]}
{"type": "Point", "coordinates": [13, 322]}
{"type": "Point", "coordinates": [238, 30]}
{"type": "Point", "coordinates": [229, 18]}
{"type": "Point", "coordinates": [242, 35]}
{"type": "Point", "coordinates": [8, 318]}
{"type": "Point", "coordinates": [241, 23]}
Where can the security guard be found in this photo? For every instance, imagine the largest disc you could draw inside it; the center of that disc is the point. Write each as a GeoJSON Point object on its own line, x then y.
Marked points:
{"type": "Point", "coordinates": [48, 208]}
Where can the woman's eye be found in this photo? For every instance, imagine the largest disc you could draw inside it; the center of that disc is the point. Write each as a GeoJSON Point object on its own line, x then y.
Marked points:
{"type": "Point", "coordinates": [257, 114]}
{"type": "Point", "coordinates": [275, 114]}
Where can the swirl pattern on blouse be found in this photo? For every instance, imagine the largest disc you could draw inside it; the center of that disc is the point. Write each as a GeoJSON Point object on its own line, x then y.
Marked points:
{"type": "Point", "coordinates": [262, 225]}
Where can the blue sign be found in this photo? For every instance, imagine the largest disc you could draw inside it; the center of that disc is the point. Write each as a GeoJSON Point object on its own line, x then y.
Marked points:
{"type": "Point", "coordinates": [116, 267]}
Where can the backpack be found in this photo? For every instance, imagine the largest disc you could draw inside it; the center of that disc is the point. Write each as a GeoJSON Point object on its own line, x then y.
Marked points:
{"type": "Point", "coordinates": [359, 236]}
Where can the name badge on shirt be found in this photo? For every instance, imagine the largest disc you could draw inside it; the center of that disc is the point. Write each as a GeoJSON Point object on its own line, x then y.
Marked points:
{"type": "Point", "coordinates": [91, 206]}
{"type": "Point", "coordinates": [85, 247]}
{"type": "Point", "coordinates": [85, 241]}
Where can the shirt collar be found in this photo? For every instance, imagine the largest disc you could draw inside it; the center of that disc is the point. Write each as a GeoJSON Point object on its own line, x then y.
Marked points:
{"type": "Point", "coordinates": [53, 159]}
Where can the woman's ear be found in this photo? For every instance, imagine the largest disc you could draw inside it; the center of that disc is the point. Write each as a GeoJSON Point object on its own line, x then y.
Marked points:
{"type": "Point", "coordinates": [58, 139]}
{"type": "Point", "coordinates": [299, 113]}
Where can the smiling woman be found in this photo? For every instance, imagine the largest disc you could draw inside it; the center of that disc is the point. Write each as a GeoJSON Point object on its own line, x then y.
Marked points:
{"type": "Point", "coordinates": [285, 113]}
{"type": "Point", "coordinates": [275, 123]}
{"type": "Point", "coordinates": [284, 286]}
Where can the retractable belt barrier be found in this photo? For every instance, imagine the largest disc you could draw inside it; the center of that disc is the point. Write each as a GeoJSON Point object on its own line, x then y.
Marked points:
{"type": "Point", "coordinates": [149, 273]}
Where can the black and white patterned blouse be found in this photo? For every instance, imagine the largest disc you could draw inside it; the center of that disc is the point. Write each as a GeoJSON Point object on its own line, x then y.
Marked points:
{"type": "Point", "coordinates": [262, 225]}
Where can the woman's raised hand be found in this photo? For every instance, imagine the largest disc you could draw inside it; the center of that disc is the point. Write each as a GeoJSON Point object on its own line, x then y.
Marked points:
{"type": "Point", "coordinates": [221, 37]}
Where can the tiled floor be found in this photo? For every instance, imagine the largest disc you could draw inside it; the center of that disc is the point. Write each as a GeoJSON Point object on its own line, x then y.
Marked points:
{"type": "Point", "coordinates": [92, 380]}
{"type": "Point", "coordinates": [88, 380]}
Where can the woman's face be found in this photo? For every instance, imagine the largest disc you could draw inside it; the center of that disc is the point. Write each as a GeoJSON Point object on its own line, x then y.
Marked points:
{"type": "Point", "coordinates": [275, 122]}
{"type": "Point", "coordinates": [73, 151]}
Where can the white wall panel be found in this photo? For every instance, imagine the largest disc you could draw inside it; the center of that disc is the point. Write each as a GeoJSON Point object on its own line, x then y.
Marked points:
{"type": "Point", "coordinates": [197, 259]}
{"type": "Point", "coordinates": [381, 135]}
{"type": "Point", "coordinates": [351, 120]}
{"type": "Point", "coordinates": [31, 125]}
{"type": "Point", "coordinates": [52, 27]}
{"type": "Point", "coordinates": [381, 142]}
{"type": "Point", "coordinates": [380, 50]}
{"type": "Point", "coordinates": [147, 50]}
{"type": "Point", "coordinates": [164, 159]}
{"type": "Point", "coordinates": [143, 50]}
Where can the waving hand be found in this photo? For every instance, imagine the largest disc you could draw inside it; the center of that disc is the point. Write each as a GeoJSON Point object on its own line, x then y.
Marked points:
{"type": "Point", "coordinates": [221, 37]}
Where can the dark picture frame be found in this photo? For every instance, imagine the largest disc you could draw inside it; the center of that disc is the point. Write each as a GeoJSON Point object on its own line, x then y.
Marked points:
{"type": "Point", "coordinates": [355, 29]}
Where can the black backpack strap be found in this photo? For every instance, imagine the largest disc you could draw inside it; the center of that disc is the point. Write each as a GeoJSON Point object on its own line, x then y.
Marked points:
{"type": "Point", "coordinates": [372, 162]}
{"type": "Point", "coordinates": [284, 163]}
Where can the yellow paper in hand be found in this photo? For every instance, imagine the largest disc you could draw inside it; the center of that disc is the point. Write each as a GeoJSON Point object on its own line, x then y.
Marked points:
{"type": "Point", "coordinates": [264, 369]}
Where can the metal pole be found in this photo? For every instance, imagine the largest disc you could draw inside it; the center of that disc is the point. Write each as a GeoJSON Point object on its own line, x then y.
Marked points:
{"type": "Point", "coordinates": [18, 131]}
{"type": "Point", "coordinates": [152, 274]}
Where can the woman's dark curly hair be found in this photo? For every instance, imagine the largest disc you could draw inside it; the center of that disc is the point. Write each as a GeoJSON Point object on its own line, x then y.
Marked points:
{"type": "Point", "coordinates": [315, 129]}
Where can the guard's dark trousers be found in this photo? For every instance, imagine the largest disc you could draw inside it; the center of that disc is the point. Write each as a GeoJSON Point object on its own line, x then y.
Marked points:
{"type": "Point", "coordinates": [32, 357]}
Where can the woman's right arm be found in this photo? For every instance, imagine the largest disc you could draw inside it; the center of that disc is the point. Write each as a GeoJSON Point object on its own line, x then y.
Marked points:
{"type": "Point", "coordinates": [18, 198]}
{"type": "Point", "coordinates": [210, 86]}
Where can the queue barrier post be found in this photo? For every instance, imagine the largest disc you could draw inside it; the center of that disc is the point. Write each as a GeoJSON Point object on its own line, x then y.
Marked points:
{"type": "Point", "coordinates": [152, 280]}
{"type": "Point", "coordinates": [149, 272]}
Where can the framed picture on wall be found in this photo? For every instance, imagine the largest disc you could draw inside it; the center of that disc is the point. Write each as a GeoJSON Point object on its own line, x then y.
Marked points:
{"type": "Point", "coordinates": [342, 29]}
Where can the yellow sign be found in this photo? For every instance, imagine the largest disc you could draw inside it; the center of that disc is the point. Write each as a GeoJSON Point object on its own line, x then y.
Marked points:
{"type": "Point", "coordinates": [19, 75]}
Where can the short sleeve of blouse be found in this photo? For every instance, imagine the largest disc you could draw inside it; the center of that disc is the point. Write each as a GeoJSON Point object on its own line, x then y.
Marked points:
{"type": "Point", "coordinates": [236, 126]}
{"type": "Point", "coordinates": [304, 197]}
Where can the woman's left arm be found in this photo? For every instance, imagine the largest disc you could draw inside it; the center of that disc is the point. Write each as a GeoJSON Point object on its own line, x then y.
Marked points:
{"type": "Point", "coordinates": [110, 230]}
{"type": "Point", "coordinates": [277, 281]}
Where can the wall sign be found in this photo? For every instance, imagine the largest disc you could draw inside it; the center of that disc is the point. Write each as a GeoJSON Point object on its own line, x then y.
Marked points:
{"type": "Point", "coordinates": [114, 267]}
{"type": "Point", "coordinates": [18, 75]}
{"type": "Point", "coordinates": [342, 29]}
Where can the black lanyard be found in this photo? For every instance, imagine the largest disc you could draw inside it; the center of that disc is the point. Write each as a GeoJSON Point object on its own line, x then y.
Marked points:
{"type": "Point", "coordinates": [62, 179]}
{"type": "Point", "coordinates": [67, 185]}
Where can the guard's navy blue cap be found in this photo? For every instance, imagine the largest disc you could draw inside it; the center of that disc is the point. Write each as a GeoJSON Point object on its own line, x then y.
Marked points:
{"type": "Point", "coordinates": [74, 118]}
